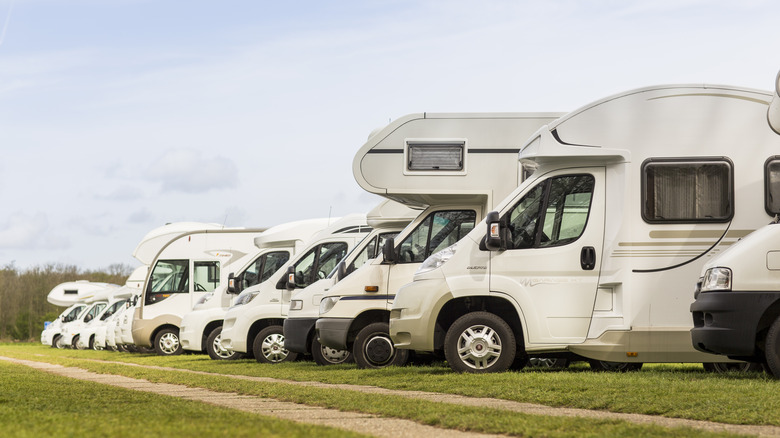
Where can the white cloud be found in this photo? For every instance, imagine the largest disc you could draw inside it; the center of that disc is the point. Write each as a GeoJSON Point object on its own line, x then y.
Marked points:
{"type": "Point", "coordinates": [188, 171]}
{"type": "Point", "coordinates": [25, 231]}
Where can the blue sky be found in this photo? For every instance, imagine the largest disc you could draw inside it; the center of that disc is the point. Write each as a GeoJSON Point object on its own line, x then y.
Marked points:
{"type": "Point", "coordinates": [119, 116]}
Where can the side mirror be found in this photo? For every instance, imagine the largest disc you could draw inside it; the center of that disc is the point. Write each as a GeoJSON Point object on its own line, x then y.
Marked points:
{"type": "Point", "coordinates": [232, 286]}
{"type": "Point", "coordinates": [494, 238]}
{"type": "Point", "coordinates": [341, 270]}
{"type": "Point", "coordinates": [388, 251]}
{"type": "Point", "coordinates": [290, 278]}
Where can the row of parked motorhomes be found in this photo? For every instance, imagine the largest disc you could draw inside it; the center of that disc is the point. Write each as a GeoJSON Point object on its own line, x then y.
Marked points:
{"type": "Point", "coordinates": [503, 239]}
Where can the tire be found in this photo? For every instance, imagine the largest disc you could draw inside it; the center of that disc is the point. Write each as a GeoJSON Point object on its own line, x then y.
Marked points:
{"type": "Point", "coordinates": [772, 348]}
{"type": "Point", "coordinates": [74, 343]}
{"type": "Point", "coordinates": [268, 346]}
{"type": "Point", "coordinates": [615, 367]}
{"type": "Point", "coordinates": [57, 342]}
{"type": "Point", "coordinates": [725, 367]}
{"type": "Point", "coordinates": [92, 345]}
{"type": "Point", "coordinates": [214, 348]}
{"type": "Point", "coordinates": [328, 356]}
{"type": "Point", "coordinates": [480, 342]}
{"type": "Point", "coordinates": [548, 362]}
{"type": "Point", "coordinates": [374, 349]}
{"type": "Point", "coordinates": [166, 342]}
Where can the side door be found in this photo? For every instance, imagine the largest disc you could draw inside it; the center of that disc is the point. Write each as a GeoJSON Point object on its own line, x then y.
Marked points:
{"type": "Point", "coordinates": [314, 265]}
{"type": "Point", "coordinates": [437, 231]}
{"type": "Point", "coordinates": [550, 268]}
{"type": "Point", "coordinates": [205, 278]}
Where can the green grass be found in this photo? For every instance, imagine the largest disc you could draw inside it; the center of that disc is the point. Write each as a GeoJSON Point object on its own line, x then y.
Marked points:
{"type": "Point", "coordinates": [526, 386]}
{"type": "Point", "coordinates": [34, 403]}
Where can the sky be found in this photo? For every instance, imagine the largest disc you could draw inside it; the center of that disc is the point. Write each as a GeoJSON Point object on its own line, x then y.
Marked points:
{"type": "Point", "coordinates": [117, 117]}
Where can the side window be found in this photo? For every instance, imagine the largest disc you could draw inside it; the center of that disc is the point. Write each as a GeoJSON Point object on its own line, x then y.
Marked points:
{"type": "Point", "coordinates": [687, 191]}
{"type": "Point", "coordinates": [73, 314]}
{"type": "Point", "coordinates": [553, 213]}
{"type": "Point", "coordinates": [205, 277]}
{"type": "Point", "coordinates": [436, 232]}
{"type": "Point", "coordinates": [171, 276]}
{"type": "Point", "coordinates": [318, 262]}
{"type": "Point", "coordinates": [370, 251]}
{"type": "Point", "coordinates": [272, 262]}
{"type": "Point", "coordinates": [772, 186]}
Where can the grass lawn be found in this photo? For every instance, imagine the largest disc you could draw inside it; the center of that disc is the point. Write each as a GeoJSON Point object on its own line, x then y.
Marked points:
{"type": "Point", "coordinates": [684, 391]}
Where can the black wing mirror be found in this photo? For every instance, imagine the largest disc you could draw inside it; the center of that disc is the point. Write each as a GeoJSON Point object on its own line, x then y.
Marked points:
{"type": "Point", "coordinates": [495, 238]}
{"type": "Point", "coordinates": [232, 286]}
{"type": "Point", "coordinates": [388, 251]}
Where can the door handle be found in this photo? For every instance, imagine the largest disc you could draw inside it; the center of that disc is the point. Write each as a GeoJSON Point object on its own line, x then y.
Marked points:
{"type": "Point", "coordinates": [588, 258]}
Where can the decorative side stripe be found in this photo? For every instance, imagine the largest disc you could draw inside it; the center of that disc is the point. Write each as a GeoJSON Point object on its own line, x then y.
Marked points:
{"type": "Point", "coordinates": [367, 297]}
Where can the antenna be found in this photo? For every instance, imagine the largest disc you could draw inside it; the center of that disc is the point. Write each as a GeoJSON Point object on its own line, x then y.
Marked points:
{"type": "Point", "coordinates": [224, 221]}
{"type": "Point", "coordinates": [330, 209]}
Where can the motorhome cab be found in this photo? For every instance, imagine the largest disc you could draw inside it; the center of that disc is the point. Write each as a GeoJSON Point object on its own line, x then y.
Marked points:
{"type": "Point", "coordinates": [202, 327]}
{"type": "Point", "coordinates": [454, 167]}
{"type": "Point", "coordinates": [593, 254]}
{"type": "Point", "coordinates": [254, 324]}
{"type": "Point", "coordinates": [185, 269]}
{"type": "Point", "coordinates": [71, 294]}
{"type": "Point", "coordinates": [386, 220]}
{"type": "Point", "coordinates": [737, 307]}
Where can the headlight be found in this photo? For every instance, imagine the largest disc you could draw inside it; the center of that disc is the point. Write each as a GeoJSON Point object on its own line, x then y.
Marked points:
{"type": "Point", "coordinates": [296, 305]}
{"type": "Point", "coordinates": [438, 259]}
{"type": "Point", "coordinates": [245, 298]}
{"type": "Point", "coordinates": [204, 298]}
{"type": "Point", "coordinates": [716, 279]}
{"type": "Point", "coordinates": [327, 303]}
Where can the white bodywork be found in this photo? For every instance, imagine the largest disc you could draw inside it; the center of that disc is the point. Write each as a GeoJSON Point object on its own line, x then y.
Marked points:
{"type": "Point", "coordinates": [208, 314]}
{"type": "Point", "coordinates": [488, 172]}
{"type": "Point", "coordinates": [71, 292]}
{"type": "Point", "coordinates": [186, 268]}
{"type": "Point", "coordinates": [632, 304]}
{"type": "Point", "coordinates": [266, 304]}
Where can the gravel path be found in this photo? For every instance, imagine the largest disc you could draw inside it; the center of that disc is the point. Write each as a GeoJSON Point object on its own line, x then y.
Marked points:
{"type": "Point", "coordinates": [366, 423]}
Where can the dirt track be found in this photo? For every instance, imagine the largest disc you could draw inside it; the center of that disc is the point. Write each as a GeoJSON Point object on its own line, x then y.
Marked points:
{"type": "Point", "coordinates": [366, 423]}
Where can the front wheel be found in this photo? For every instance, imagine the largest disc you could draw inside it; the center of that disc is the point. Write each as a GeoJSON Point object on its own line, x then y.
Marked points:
{"type": "Point", "coordinates": [215, 350]}
{"type": "Point", "coordinates": [93, 345]}
{"type": "Point", "coordinates": [268, 346]}
{"type": "Point", "coordinates": [374, 349]}
{"type": "Point", "coordinates": [480, 342]}
{"type": "Point", "coordinates": [57, 342]}
{"type": "Point", "coordinates": [615, 367]}
{"type": "Point", "coordinates": [166, 343]}
{"type": "Point", "coordinates": [74, 343]}
{"type": "Point", "coordinates": [328, 356]}
{"type": "Point", "coordinates": [725, 367]}
{"type": "Point", "coordinates": [772, 348]}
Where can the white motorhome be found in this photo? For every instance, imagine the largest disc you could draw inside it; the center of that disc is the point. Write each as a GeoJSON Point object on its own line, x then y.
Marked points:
{"type": "Point", "coordinates": [186, 268]}
{"type": "Point", "coordinates": [386, 220]}
{"type": "Point", "coordinates": [71, 294]}
{"type": "Point", "coordinates": [593, 254]}
{"type": "Point", "coordinates": [452, 166]}
{"type": "Point", "coordinates": [254, 324]}
{"type": "Point", "coordinates": [87, 335]}
{"type": "Point", "coordinates": [737, 308]}
{"type": "Point", "coordinates": [202, 327]}
{"type": "Point", "coordinates": [95, 304]}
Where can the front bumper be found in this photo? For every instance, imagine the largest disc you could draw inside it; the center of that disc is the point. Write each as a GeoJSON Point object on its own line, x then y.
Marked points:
{"type": "Point", "coordinates": [728, 322]}
{"type": "Point", "coordinates": [296, 334]}
{"type": "Point", "coordinates": [332, 332]}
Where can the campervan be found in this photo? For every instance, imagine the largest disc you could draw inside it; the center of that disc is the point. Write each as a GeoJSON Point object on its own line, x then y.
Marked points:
{"type": "Point", "coordinates": [737, 308]}
{"type": "Point", "coordinates": [452, 166]}
{"type": "Point", "coordinates": [385, 220]}
{"type": "Point", "coordinates": [87, 334]}
{"type": "Point", "coordinates": [186, 268]}
{"type": "Point", "coordinates": [132, 288]}
{"type": "Point", "coordinates": [95, 305]}
{"type": "Point", "coordinates": [253, 325]}
{"type": "Point", "coordinates": [591, 256]}
{"type": "Point", "coordinates": [202, 327]}
{"type": "Point", "coordinates": [71, 294]}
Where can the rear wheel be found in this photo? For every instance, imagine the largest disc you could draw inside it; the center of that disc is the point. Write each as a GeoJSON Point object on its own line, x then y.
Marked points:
{"type": "Point", "coordinates": [166, 342]}
{"type": "Point", "coordinates": [480, 342]}
{"type": "Point", "coordinates": [215, 349]}
{"type": "Point", "coordinates": [615, 367]}
{"type": "Point", "coordinates": [328, 356]}
{"type": "Point", "coordinates": [772, 348]}
{"type": "Point", "coordinates": [374, 349]}
{"type": "Point", "coordinates": [268, 346]}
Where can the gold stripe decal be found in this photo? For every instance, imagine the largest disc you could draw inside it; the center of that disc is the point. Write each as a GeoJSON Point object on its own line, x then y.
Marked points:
{"type": "Point", "coordinates": [698, 234]}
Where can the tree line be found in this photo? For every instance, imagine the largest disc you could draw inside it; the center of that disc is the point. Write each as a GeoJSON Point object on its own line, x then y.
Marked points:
{"type": "Point", "coordinates": [23, 305]}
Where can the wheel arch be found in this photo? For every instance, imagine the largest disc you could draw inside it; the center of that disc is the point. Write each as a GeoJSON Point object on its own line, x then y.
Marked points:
{"type": "Point", "coordinates": [497, 305]}
{"type": "Point", "coordinates": [362, 320]}
{"type": "Point", "coordinates": [255, 328]}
